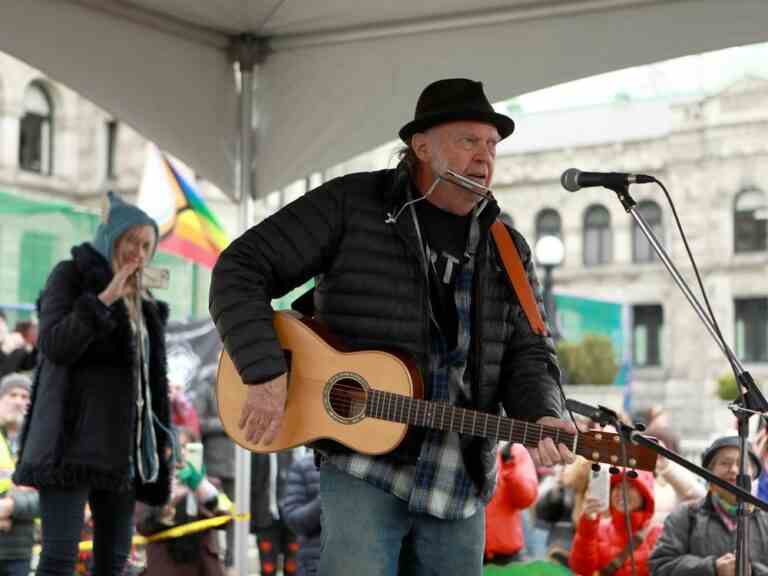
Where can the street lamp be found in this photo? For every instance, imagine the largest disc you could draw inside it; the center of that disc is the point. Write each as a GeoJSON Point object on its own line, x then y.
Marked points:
{"type": "Point", "coordinates": [549, 255]}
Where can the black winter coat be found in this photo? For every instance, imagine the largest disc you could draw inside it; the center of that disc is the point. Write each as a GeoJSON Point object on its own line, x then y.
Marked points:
{"type": "Point", "coordinates": [372, 292]}
{"type": "Point", "coordinates": [82, 417]}
{"type": "Point", "coordinates": [300, 509]}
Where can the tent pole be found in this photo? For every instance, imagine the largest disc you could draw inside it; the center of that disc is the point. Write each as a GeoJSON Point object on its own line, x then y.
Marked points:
{"type": "Point", "coordinates": [247, 51]}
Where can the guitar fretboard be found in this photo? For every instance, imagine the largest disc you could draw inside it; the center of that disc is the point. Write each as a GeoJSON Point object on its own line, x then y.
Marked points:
{"type": "Point", "coordinates": [439, 416]}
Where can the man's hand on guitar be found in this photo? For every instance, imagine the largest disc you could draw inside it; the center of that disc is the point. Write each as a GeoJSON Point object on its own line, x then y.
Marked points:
{"type": "Point", "coordinates": [546, 453]}
{"type": "Point", "coordinates": [262, 413]}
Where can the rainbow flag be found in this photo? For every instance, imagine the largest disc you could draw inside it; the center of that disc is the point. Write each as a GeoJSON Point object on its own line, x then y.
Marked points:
{"type": "Point", "coordinates": [187, 226]}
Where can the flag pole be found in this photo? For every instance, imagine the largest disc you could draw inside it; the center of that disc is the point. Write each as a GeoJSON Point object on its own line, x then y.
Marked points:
{"type": "Point", "coordinates": [247, 51]}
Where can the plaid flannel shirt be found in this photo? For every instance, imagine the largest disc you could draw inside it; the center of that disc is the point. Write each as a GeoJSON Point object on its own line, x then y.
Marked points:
{"type": "Point", "coordinates": [438, 483]}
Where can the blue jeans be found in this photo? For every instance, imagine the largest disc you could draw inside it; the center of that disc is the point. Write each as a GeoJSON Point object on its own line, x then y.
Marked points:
{"type": "Point", "coordinates": [61, 510]}
{"type": "Point", "coordinates": [369, 532]}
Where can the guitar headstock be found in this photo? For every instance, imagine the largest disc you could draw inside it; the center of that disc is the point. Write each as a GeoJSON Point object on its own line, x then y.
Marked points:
{"type": "Point", "coordinates": [605, 447]}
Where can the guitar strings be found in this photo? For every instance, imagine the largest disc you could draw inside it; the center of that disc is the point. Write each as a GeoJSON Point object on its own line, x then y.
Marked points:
{"type": "Point", "coordinates": [347, 396]}
{"type": "Point", "coordinates": [397, 405]}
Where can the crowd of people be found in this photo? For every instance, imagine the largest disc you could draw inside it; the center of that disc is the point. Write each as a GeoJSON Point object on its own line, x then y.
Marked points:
{"type": "Point", "coordinates": [99, 445]}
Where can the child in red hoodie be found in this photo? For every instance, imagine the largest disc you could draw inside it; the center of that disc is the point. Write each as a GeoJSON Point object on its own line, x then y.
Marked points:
{"type": "Point", "coordinates": [601, 541]}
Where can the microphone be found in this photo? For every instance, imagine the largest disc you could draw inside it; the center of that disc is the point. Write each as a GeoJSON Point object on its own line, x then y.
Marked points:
{"type": "Point", "coordinates": [574, 179]}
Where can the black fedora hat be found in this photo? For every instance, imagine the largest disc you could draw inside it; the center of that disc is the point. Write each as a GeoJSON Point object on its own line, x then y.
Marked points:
{"type": "Point", "coordinates": [454, 100]}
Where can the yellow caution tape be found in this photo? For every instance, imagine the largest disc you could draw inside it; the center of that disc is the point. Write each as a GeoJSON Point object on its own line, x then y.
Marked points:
{"type": "Point", "coordinates": [192, 527]}
{"type": "Point", "coordinates": [175, 532]}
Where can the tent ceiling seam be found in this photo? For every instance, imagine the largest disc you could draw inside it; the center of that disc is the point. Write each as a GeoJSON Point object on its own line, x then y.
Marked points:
{"type": "Point", "coordinates": [529, 11]}
{"type": "Point", "coordinates": [160, 21]}
{"type": "Point", "coordinates": [278, 4]}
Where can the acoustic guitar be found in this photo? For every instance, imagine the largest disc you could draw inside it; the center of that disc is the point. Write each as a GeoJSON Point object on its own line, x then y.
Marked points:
{"type": "Point", "coordinates": [366, 400]}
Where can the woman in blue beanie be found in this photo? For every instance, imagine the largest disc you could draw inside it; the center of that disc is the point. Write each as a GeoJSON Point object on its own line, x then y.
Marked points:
{"type": "Point", "coordinates": [98, 425]}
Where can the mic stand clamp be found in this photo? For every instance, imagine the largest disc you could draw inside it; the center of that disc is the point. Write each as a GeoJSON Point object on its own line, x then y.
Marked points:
{"type": "Point", "coordinates": [622, 192]}
{"type": "Point", "coordinates": [599, 415]}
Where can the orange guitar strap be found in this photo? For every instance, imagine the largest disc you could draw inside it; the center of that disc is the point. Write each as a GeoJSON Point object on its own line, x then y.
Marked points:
{"type": "Point", "coordinates": [517, 277]}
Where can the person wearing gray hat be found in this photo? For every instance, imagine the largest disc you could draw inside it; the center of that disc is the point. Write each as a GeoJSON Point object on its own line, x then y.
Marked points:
{"type": "Point", "coordinates": [708, 456]}
{"type": "Point", "coordinates": [403, 258]}
{"type": "Point", "coordinates": [18, 506]}
{"type": "Point", "coordinates": [700, 537]}
{"type": "Point", "coordinates": [15, 380]}
{"type": "Point", "coordinates": [98, 429]}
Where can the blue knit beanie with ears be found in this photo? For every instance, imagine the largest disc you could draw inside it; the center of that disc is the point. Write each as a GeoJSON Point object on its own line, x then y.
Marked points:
{"type": "Point", "coordinates": [120, 216]}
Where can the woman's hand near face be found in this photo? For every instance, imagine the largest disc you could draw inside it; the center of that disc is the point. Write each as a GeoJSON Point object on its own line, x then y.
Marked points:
{"type": "Point", "coordinates": [123, 283]}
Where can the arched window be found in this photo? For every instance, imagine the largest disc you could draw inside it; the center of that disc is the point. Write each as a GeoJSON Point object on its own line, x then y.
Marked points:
{"type": "Point", "coordinates": [36, 131]}
{"type": "Point", "coordinates": [548, 223]}
{"type": "Point", "coordinates": [641, 248]}
{"type": "Point", "coordinates": [598, 243]}
{"type": "Point", "coordinates": [750, 220]}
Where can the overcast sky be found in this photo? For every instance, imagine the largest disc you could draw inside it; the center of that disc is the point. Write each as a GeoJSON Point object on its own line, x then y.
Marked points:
{"type": "Point", "coordinates": [687, 75]}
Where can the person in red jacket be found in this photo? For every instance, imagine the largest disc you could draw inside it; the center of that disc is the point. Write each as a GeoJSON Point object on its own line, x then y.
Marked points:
{"type": "Point", "coordinates": [601, 543]}
{"type": "Point", "coordinates": [517, 488]}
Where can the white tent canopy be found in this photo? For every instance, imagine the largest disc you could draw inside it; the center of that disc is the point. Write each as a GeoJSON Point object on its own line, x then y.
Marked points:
{"type": "Point", "coordinates": [338, 77]}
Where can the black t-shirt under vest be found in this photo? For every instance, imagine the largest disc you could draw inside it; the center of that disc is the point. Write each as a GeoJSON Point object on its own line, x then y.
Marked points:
{"type": "Point", "coordinates": [445, 234]}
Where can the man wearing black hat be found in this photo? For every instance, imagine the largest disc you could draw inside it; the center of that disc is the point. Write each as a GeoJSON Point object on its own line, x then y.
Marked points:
{"type": "Point", "coordinates": [402, 259]}
{"type": "Point", "coordinates": [699, 538]}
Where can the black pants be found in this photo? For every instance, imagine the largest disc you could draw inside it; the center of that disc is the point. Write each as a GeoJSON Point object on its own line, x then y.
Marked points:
{"type": "Point", "coordinates": [62, 523]}
{"type": "Point", "coordinates": [228, 485]}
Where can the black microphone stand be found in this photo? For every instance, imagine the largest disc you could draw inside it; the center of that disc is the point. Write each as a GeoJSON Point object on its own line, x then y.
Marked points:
{"type": "Point", "coordinates": [751, 400]}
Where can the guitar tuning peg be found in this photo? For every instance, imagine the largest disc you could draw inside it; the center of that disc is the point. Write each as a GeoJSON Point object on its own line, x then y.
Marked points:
{"type": "Point", "coordinates": [632, 474]}
{"type": "Point", "coordinates": [595, 467]}
{"type": "Point", "coordinates": [613, 470]}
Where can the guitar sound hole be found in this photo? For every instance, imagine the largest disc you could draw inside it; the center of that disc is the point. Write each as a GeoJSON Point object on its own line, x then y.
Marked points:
{"type": "Point", "coordinates": [347, 399]}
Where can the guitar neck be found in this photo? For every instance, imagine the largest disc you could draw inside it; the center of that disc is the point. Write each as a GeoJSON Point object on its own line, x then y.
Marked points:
{"type": "Point", "coordinates": [439, 416]}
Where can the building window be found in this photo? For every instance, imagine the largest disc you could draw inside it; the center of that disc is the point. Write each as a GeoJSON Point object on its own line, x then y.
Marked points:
{"type": "Point", "coordinates": [111, 148]}
{"type": "Point", "coordinates": [36, 131]}
{"type": "Point", "coordinates": [647, 322]}
{"type": "Point", "coordinates": [641, 248]}
{"type": "Point", "coordinates": [751, 329]}
{"type": "Point", "coordinates": [750, 220]}
{"type": "Point", "coordinates": [598, 244]}
{"type": "Point", "coordinates": [548, 223]}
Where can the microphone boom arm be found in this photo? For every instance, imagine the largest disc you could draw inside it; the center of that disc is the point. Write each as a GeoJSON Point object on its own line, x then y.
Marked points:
{"type": "Point", "coordinates": [744, 378]}
{"type": "Point", "coordinates": [753, 401]}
